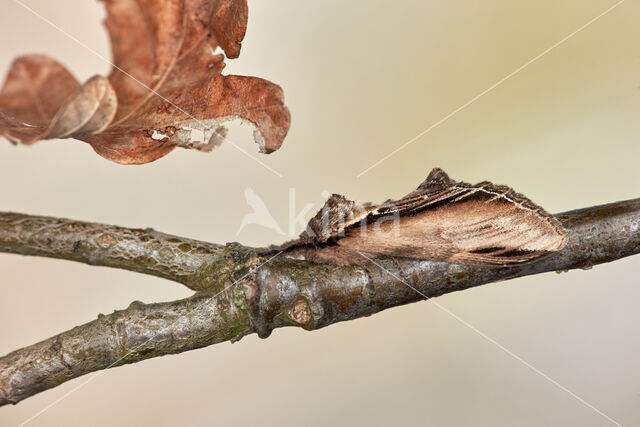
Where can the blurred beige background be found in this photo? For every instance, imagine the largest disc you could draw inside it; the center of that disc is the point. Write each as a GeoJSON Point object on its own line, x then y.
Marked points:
{"type": "Point", "coordinates": [361, 78]}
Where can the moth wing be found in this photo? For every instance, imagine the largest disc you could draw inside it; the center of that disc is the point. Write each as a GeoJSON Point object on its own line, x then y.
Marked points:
{"type": "Point", "coordinates": [416, 201]}
{"type": "Point", "coordinates": [482, 224]}
{"type": "Point", "coordinates": [500, 231]}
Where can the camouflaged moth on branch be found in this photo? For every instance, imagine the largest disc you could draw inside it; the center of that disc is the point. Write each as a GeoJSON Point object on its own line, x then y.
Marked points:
{"type": "Point", "coordinates": [165, 90]}
{"type": "Point", "coordinates": [442, 220]}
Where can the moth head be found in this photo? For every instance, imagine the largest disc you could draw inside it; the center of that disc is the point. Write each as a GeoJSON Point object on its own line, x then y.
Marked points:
{"type": "Point", "coordinates": [337, 214]}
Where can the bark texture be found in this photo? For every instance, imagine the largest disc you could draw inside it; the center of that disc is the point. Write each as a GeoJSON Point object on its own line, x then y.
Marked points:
{"type": "Point", "coordinates": [197, 265]}
{"type": "Point", "coordinates": [242, 290]}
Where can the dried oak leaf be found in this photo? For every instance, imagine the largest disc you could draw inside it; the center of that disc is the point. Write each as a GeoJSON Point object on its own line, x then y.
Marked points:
{"type": "Point", "coordinates": [166, 88]}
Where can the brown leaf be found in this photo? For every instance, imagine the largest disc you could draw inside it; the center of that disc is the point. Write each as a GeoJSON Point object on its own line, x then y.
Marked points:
{"type": "Point", "coordinates": [89, 110]}
{"type": "Point", "coordinates": [27, 103]}
{"type": "Point", "coordinates": [166, 88]}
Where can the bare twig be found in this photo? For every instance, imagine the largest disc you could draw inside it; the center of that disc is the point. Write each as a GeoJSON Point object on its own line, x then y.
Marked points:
{"type": "Point", "coordinates": [195, 264]}
{"type": "Point", "coordinates": [241, 291]}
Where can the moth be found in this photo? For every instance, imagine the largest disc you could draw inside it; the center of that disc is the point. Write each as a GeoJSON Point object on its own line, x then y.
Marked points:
{"type": "Point", "coordinates": [443, 220]}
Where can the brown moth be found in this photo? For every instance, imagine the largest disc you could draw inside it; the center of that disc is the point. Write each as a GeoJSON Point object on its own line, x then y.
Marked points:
{"type": "Point", "coordinates": [443, 220]}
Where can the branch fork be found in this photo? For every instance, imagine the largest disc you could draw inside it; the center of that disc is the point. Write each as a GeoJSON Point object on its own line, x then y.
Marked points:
{"type": "Point", "coordinates": [240, 290]}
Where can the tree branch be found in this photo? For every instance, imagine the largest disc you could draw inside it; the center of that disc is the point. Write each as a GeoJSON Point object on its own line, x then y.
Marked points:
{"type": "Point", "coordinates": [195, 264]}
{"type": "Point", "coordinates": [242, 291]}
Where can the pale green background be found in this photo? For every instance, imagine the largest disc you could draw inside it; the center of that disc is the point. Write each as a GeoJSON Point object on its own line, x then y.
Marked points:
{"type": "Point", "coordinates": [361, 78]}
